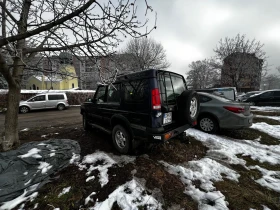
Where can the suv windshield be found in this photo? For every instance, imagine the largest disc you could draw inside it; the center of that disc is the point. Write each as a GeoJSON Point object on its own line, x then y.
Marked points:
{"type": "Point", "coordinates": [170, 86]}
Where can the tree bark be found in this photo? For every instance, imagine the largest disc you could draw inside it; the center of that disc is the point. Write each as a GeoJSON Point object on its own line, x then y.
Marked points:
{"type": "Point", "coordinates": [11, 120]}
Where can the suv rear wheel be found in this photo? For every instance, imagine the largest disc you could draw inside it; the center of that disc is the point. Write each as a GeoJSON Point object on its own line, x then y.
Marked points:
{"type": "Point", "coordinates": [188, 106]}
{"type": "Point", "coordinates": [121, 139]}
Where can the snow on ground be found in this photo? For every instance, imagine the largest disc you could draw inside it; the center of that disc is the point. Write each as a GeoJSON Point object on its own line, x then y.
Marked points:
{"type": "Point", "coordinates": [129, 196]}
{"type": "Point", "coordinates": [226, 149]}
{"type": "Point", "coordinates": [101, 161]}
{"type": "Point", "coordinates": [44, 167]}
{"type": "Point", "coordinates": [270, 179]}
{"type": "Point", "coordinates": [64, 191]}
{"type": "Point", "coordinates": [272, 130]}
{"type": "Point", "coordinates": [22, 198]}
{"type": "Point", "coordinates": [4, 91]}
{"type": "Point", "coordinates": [265, 108]}
{"type": "Point", "coordinates": [206, 171]}
{"type": "Point", "coordinates": [25, 129]}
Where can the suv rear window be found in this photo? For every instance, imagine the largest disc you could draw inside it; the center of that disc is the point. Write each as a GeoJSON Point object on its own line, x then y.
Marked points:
{"type": "Point", "coordinates": [171, 86]}
{"type": "Point", "coordinates": [55, 97]}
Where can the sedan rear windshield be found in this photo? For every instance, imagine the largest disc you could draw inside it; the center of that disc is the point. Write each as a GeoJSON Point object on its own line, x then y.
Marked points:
{"type": "Point", "coordinates": [170, 86]}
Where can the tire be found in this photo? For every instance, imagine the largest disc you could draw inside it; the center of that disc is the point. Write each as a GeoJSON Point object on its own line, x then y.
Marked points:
{"type": "Point", "coordinates": [121, 139]}
{"type": "Point", "coordinates": [24, 109]}
{"type": "Point", "coordinates": [60, 107]}
{"type": "Point", "coordinates": [86, 126]}
{"type": "Point", "coordinates": [208, 124]}
{"type": "Point", "coordinates": [188, 107]}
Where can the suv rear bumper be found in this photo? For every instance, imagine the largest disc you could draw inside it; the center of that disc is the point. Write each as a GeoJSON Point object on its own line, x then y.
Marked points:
{"type": "Point", "coordinates": [165, 136]}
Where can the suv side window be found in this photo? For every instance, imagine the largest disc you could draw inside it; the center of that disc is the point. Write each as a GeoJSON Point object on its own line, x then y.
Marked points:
{"type": "Point", "coordinates": [39, 98]}
{"type": "Point", "coordinates": [114, 93]}
{"type": "Point", "coordinates": [100, 94]}
{"type": "Point", "coordinates": [136, 91]}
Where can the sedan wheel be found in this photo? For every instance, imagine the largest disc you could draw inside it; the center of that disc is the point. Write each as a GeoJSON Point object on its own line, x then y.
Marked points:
{"type": "Point", "coordinates": [208, 124]}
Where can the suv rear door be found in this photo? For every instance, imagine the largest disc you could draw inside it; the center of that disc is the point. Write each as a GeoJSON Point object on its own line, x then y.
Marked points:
{"type": "Point", "coordinates": [171, 86]}
{"type": "Point", "coordinates": [53, 100]}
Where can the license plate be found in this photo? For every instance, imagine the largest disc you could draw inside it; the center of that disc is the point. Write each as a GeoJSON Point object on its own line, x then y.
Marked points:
{"type": "Point", "coordinates": [167, 118]}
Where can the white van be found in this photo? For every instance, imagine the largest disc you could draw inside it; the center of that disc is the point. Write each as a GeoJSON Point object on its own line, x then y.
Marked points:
{"type": "Point", "coordinates": [44, 101]}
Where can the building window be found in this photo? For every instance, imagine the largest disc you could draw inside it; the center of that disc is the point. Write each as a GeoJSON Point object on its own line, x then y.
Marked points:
{"type": "Point", "coordinates": [37, 88]}
{"type": "Point", "coordinates": [34, 87]}
{"type": "Point", "coordinates": [73, 85]}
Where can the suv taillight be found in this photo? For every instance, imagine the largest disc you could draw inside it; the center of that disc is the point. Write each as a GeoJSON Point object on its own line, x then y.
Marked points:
{"type": "Point", "coordinates": [235, 109]}
{"type": "Point", "coordinates": [156, 103]}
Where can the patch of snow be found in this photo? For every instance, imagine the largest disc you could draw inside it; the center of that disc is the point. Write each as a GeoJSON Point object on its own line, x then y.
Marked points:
{"type": "Point", "coordinates": [272, 130]}
{"type": "Point", "coordinates": [56, 133]}
{"type": "Point", "coordinates": [44, 166]}
{"type": "Point", "coordinates": [36, 205]}
{"type": "Point", "coordinates": [32, 153]}
{"type": "Point", "coordinates": [22, 198]}
{"type": "Point", "coordinates": [25, 173]}
{"type": "Point", "coordinates": [129, 196]}
{"type": "Point", "coordinates": [52, 154]}
{"type": "Point", "coordinates": [106, 162]}
{"type": "Point", "coordinates": [269, 117]}
{"type": "Point", "coordinates": [26, 183]}
{"type": "Point", "coordinates": [265, 207]}
{"type": "Point", "coordinates": [226, 149]}
{"type": "Point", "coordinates": [25, 129]}
{"type": "Point", "coordinates": [90, 178]}
{"type": "Point", "coordinates": [75, 158]}
{"type": "Point", "coordinates": [64, 191]}
{"type": "Point", "coordinates": [44, 136]}
{"type": "Point", "coordinates": [42, 144]}
{"type": "Point", "coordinates": [88, 199]}
{"type": "Point", "coordinates": [270, 179]}
{"type": "Point", "coordinates": [206, 171]}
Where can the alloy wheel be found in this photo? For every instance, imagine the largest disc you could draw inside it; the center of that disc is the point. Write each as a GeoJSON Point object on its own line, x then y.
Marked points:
{"type": "Point", "coordinates": [120, 139]}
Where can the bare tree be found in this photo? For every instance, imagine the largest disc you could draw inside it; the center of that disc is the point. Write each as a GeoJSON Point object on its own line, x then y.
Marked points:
{"type": "Point", "coordinates": [203, 74]}
{"type": "Point", "coordinates": [271, 81]}
{"type": "Point", "coordinates": [243, 61]}
{"type": "Point", "coordinates": [144, 53]}
{"type": "Point", "coordinates": [47, 27]}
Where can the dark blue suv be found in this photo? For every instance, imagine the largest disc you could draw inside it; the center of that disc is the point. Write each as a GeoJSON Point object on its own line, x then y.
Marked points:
{"type": "Point", "coordinates": [146, 106]}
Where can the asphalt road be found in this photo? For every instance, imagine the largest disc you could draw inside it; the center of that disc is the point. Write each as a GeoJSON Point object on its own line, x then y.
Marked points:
{"type": "Point", "coordinates": [46, 118]}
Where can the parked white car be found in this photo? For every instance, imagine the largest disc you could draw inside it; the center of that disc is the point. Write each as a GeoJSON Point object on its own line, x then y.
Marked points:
{"type": "Point", "coordinates": [44, 101]}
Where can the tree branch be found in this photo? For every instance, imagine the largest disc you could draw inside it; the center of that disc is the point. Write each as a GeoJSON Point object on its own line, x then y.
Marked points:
{"type": "Point", "coordinates": [46, 27]}
{"type": "Point", "coordinates": [2, 4]}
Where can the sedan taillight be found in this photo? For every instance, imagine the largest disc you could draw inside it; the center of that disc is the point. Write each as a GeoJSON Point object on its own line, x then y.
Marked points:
{"type": "Point", "coordinates": [235, 109]}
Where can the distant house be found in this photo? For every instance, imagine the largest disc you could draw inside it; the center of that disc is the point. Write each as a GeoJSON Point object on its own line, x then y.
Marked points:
{"type": "Point", "coordinates": [59, 82]}
{"type": "Point", "coordinates": [243, 71]}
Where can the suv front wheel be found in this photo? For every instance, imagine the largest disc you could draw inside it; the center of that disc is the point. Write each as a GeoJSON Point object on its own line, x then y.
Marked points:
{"type": "Point", "coordinates": [121, 139]}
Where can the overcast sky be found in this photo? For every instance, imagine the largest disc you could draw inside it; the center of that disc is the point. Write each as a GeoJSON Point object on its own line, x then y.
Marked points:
{"type": "Point", "coordinates": [189, 30]}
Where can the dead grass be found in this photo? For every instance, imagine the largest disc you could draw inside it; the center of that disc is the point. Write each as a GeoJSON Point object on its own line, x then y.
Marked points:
{"type": "Point", "coordinates": [176, 152]}
{"type": "Point", "coordinates": [266, 120]}
{"type": "Point", "coordinates": [247, 193]}
{"type": "Point", "coordinates": [274, 113]}
{"type": "Point", "coordinates": [250, 134]}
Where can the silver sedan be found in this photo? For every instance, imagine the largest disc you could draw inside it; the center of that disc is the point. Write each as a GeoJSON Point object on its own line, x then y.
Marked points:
{"type": "Point", "coordinates": [217, 112]}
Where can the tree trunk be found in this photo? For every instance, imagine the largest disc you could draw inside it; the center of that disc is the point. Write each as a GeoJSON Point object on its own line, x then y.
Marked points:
{"type": "Point", "coordinates": [11, 120]}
